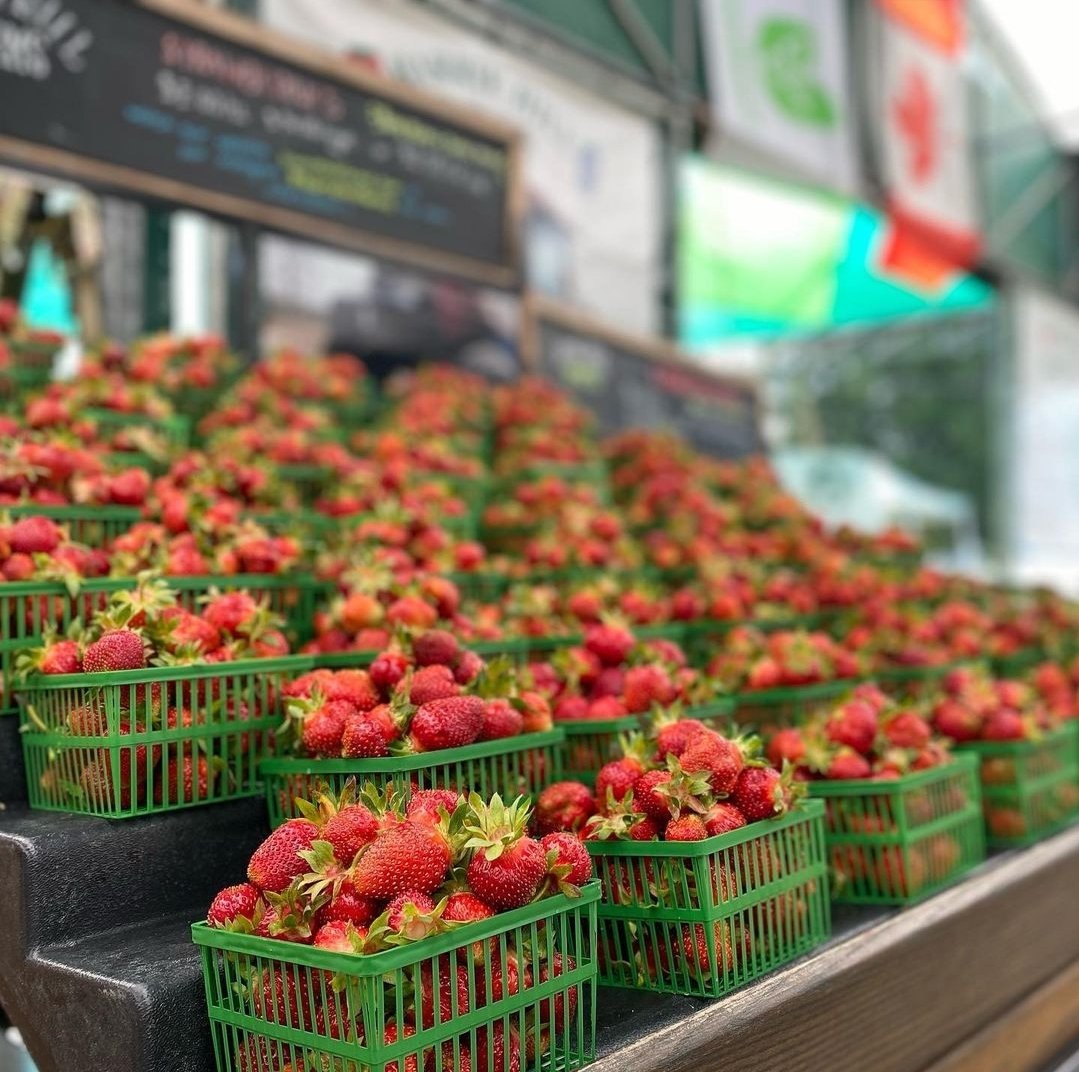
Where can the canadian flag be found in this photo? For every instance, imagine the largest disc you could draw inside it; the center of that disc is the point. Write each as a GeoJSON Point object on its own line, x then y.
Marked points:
{"type": "Point", "coordinates": [923, 133]}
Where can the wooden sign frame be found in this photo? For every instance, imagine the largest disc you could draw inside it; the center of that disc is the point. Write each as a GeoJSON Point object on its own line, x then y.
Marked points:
{"type": "Point", "coordinates": [243, 32]}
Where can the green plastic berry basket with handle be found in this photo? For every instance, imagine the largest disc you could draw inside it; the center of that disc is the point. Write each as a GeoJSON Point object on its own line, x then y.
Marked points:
{"type": "Point", "coordinates": [28, 607]}
{"type": "Point", "coordinates": [900, 840]}
{"type": "Point", "coordinates": [95, 526]}
{"type": "Point", "coordinates": [274, 1004]}
{"type": "Point", "coordinates": [1030, 789]}
{"type": "Point", "coordinates": [138, 742]}
{"type": "Point", "coordinates": [706, 917]}
{"type": "Point", "coordinates": [510, 766]}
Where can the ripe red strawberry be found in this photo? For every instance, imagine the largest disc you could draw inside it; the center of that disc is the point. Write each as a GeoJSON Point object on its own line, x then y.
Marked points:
{"type": "Point", "coordinates": [1004, 724]}
{"type": "Point", "coordinates": [411, 855]}
{"type": "Point", "coordinates": [34, 535]}
{"type": "Point", "coordinates": [617, 778]}
{"type": "Point", "coordinates": [190, 629]}
{"type": "Point", "coordinates": [645, 687]}
{"type": "Point", "coordinates": [646, 798]}
{"type": "Point", "coordinates": [425, 804]}
{"type": "Point", "coordinates": [507, 865]}
{"type": "Point", "coordinates": [355, 686]}
{"type": "Point", "coordinates": [451, 992]}
{"type": "Point", "coordinates": [387, 670]}
{"type": "Point", "coordinates": [786, 744]}
{"type": "Point", "coordinates": [277, 861]}
{"type": "Point", "coordinates": [436, 647]}
{"type": "Point", "coordinates": [411, 610]}
{"type": "Point", "coordinates": [564, 1005]}
{"type": "Point", "coordinates": [570, 853]}
{"type": "Point", "coordinates": [906, 729]}
{"type": "Point", "coordinates": [360, 611]}
{"type": "Point", "coordinates": [695, 946]}
{"type": "Point", "coordinates": [469, 667]}
{"type": "Point", "coordinates": [465, 907]}
{"type": "Point", "coordinates": [233, 902]}
{"type": "Point", "coordinates": [279, 999]}
{"type": "Point", "coordinates": [411, 914]}
{"type": "Point", "coordinates": [184, 781]}
{"type": "Point", "coordinates": [447, 723]}
{"type": "Point", "coordinates": [432, 683]}
{"type": "Point", "coordinates": [564, 806]}
{"type": "Point", "coordinates": [721, 758]}
{"type": "Point", "coordinates": [129, 487]}
{"type": "Point", "coordinates": [61, 657]}
{"type": "Point", "coordinates": [349, 830]}
{"type": "Point", "coordinates": [853, 724]}
{"type": "Point", "coordinates": [503, 983]}
{"type": "Point", "coordinates": [340, 936]}
{"type": "Point", "coordinates": [606, 707]}
{"type": "Point", "coordinates": [390, 1036]}
{"type": "Point", "coordinates": [363, 739]}
{"type": "Point", "coordinates": [686, 828]}
{"type": "Point", "coordinates": [760, 793]}
{"type": "Point", "coordinates": [846, 763]}
{"type": "Point", "coordinates": [324, 728]}
{"type": "Point", "coordinates": [673, 737]}
{"type": "Point", "coordinates": [231, 611]}
{"type": "Point", "coordinates": [500, 719]}
{"type": "Point", "coordinates": [115, 649]}
{"type": "Point", "coordinates": [723, 817]}
{"type": "Point", "coordinates": [611, 644]}
{"type": "Point", "coordinates": [492, 1051]}
{"type": "Point", "coordinates": [349, 907]}
{"type": "Point", "coordinates": [645, 829]}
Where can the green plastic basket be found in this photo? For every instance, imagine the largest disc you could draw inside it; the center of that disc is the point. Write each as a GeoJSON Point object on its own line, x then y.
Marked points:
{"type": "Point", "coordinates": [95, 526]}
{"type": "Point", "coordinates": [914, 682]}
{"type": "Point", "coordinates": [29, 354]}
{"type": "Point", "coordinates": [706, 917]}
{"type": "Point", "coordinates": [310, 481]}
{"type": "Point", "coordinates": [900, 840]}
{"type": "Point", "coordinates": [702, 636]}
{"type": "Point", "coordinates": [275, 1004]}
{"type": "Point", "coordinates": [126, 760]}
{"type": "Point", "coordinates": [771, 709]}
{"type": "Point", "coordinates": [510, 767]}
{"type": "Point", "coordinates": [1030, 789]}
{"type": "Point", "coordinates": [590, 743]}
{"type": "Point", "coordinates": [26, 607]}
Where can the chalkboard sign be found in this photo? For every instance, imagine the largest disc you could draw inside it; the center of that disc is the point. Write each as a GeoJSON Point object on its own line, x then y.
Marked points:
{"type": "Point", "coordinates": [640, 382]}
{"type": "Point", "coordinates": [169, 99]}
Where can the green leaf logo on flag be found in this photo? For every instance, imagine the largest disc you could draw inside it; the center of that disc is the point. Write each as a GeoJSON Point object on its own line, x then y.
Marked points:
{"type": "Point", "coordinates": [788, 52]}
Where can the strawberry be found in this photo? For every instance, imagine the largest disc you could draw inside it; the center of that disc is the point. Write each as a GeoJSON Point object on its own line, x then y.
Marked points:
{"type": "Point", "coordinates": [606, 707]}
{"type": "Point", "coordinates": [956, 720]}
{"type": "Point", "coordinates": [231, 612]}
{"type": "Point", "coordinates": [566, 851]}
{"type": "Point", "coordinates": [349, 907]}
{"type": "Point", "coordinates": [360, 611]}
{"type": "Point", "coordinates": [411, 610]}
{"type": "Point", "coordinates": [906, 729]}
{"type": "Point", "coordinates": [617, 778]}
{"type": "Point", "coordinates": [115, 649]}
{"type": "Point", "coordinates": [469, 667]}
{"type": "Point", "coordinates": [447, 723]}
{"type": "Point", "coordinates": [465, 907]}
{"type": "Point", "coordinates": [492, 1052]}
{"type": "Point", "coordinates": [34, 535]}
{"type": "Point", "coordinates": [390, 1036]}
{"type": "Point", "coordinates": [646, 687]}
{"type": "Point", "coordinates": [61, 657]}
{"type": "Point", "coordinates": [279, 998]}
{"type": "Point", "coordinates": [451, 990]}
{"type": "Point", "coordinates": [853, 724]}
{"type": "Point", "coordinates": [324, 728]}
{"type": "Point", "coordinates": [406, 856]}
{"type": "Point", "coordinates": [646, 799]}
{"type": "Point", "coordinates": [761, 793]}
{"type": "Point", "coordinates": [721, 758]}
{"type": "Point", "coordinates": [436, 647]}
{"type": "Point", "coordinates": [349, 830]}
{"type": "Point", "coordinates": [277, 861]}
{"type": "Point", "coordinates": [672, 738]}
{"type": "Point", "coordinates": [535, 712]}
{"type": "Point", "coordinates": [189, 629]}
{"type": "Point", "coordinates": [185, 781]}
{"type": "Point", "coordinates": [1004, 724]}
{"type": "Point", "coordinates": [570, 709]}
{"type": "Point", "coordinates": [340, 936]}
{"type": "Point", "coordinates": [387, 670]}
{"type": "Point", "coordinates": [363, 739]}
{"type": "Point", "coordinates": [425, 804]}
{"type": "Point", "coordinates": [412, 915]}
{"type": "Point", "coordinates": [686, 828]}
{"type": "Point", "coordinates": [233, 902]}
{"type": "Point", "coordinates": [847, 763]}
{"type": "Point", "coordinates": [500, 719]}
{"type": "Point", "coordinates": [564, 1005]}
{"type": "Point", "coordinates": [723, 817]}
{"type": "Point", "coordinates": [611, 644]}
{"type": "Point", "coordinates": [646, 829]}
{"type": "Point", "coordinates": [786, 744]}
{"type": "Point", "coordinates": [507, 866]}
{"type": "Point", "coordinates": [432, 683]}
{"type": "Point", "coordinates": [355, 686]}
{"type": "Point", "coordinates": [564, 806]}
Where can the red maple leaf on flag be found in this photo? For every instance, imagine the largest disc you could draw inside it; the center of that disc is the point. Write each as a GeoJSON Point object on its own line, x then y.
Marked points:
{"type": "Point", "coordinates": [915, 115]}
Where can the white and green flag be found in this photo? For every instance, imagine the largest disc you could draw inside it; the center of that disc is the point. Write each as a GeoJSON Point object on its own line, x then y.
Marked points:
{"type": "Point", "coordinates": [777, 72]}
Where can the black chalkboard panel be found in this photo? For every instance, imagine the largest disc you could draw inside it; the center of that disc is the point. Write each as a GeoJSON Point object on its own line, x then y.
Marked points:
{"type": "Point", "coordinates": [132, 87]}
{"type": "Point", "coordinates": [643, 384]}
